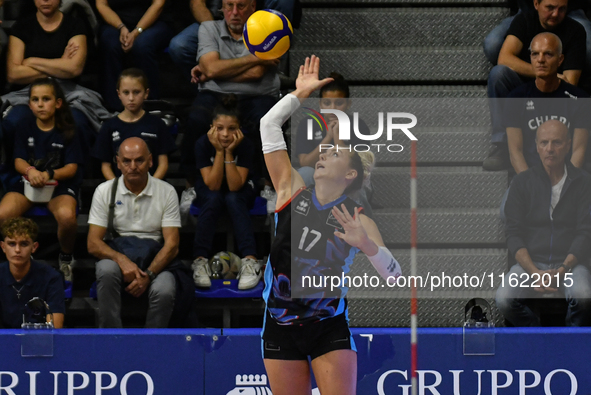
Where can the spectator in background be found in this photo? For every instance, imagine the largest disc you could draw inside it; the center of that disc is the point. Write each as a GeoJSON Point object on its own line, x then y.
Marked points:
{"type": "Point", "coordinates": [550, 239]}
{"type": "Point", "coordinates": [146, 209]}
{"type": "Point", "coordinates": [225, 66]}
{"type": "Point", "coordinates": [225, 161]}
{"type": "Point", "coordinates": [183, 47]}
{"type": "Point", "coordinates": [134, 121]}
{"type": "Point", "coordinates": [49, 43]}
{"type": "Point", "coordinates": [134, 27]}
{"type": "Point", "coordinates": [47, 148]}
{"type": "Point", "coordinates": [494, 41]}
{"type": "Point", "coordinates": [334, 95]}
{"type": "Point", "coordinates": [22, 278]}
{"type": "Point", "coordinates": [546, 97]}
{"type": "Point", "coordinates": [514, 67]}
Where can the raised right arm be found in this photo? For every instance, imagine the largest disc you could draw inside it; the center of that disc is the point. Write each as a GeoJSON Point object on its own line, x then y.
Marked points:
{"type": "Point", "coordinates": [285, 179]}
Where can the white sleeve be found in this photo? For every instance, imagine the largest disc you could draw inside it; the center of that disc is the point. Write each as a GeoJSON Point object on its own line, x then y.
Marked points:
{"type": "Point", "coordinates": [171, 217]}
{"type": "Point", "coordinates": [271, 133]}
{"type": "Point", "coordinates": [99, 209]}
{"type": "Point", "coordinates": [385, 264]}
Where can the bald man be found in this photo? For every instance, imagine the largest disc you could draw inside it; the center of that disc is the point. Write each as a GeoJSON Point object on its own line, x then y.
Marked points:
{"type": "Point", "coordinates": [514, 67]}
{"type": "Point", "coordinates": [147, 208]}
{"type": "Point", "coordinates": [547, 97]}
{"type": "Point", "coordinates": [548, 231]}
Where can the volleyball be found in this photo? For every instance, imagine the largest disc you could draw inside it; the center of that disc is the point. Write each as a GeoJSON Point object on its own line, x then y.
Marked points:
{"type": "Point", "coordinates": [267, 34]}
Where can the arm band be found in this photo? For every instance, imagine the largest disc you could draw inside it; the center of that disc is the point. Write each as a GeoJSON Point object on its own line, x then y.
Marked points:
{"type": "Point", "coordinates": [271, 133]}
{"type": "Point", "coordinates": [385, 264]}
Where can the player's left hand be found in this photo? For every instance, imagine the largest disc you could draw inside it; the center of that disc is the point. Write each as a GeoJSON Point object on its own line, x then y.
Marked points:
{"type": "Point", "coordinates": [238, 137]}
{"type": "Point", "coordinates": [355, 235]}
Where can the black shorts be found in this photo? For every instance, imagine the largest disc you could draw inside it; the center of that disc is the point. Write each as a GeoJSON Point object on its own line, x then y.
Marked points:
{"type": "Point", "coordinates": [63, 188]}
{"type": "Point", "coordinates": [295, 343]}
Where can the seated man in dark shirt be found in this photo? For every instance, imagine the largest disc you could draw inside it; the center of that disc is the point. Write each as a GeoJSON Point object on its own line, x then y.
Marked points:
{"type": "Point", "coordinates": [547, 97]}
{"type": "Point", "coordinates": [548, 231]}
{"type": "Point", "coordinates": [22, 278]}
{"type": "Point", "coordinates": [494, 40]}
{"type": "Point", "coordinates": [514, 67]}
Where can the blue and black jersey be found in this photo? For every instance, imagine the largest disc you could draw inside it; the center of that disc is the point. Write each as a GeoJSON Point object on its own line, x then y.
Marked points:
{"type": "Point", "coordinates": [305, 245]}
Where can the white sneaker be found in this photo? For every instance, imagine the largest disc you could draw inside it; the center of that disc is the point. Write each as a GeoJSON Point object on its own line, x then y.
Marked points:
{"type": "Point", "coordinates": [201, 273]}
{"type": "Point", "coordinates": [250, 273]}
{"type": "Point", "coordinates": [66, 269]}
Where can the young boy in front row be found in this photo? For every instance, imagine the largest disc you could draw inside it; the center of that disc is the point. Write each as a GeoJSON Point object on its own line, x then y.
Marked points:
{"type": "Point", "coordinates": [22, 278]}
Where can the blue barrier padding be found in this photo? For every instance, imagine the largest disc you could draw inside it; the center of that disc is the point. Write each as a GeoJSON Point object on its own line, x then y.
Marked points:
{"type": "Point", "coordinates": [241, 331]}
{"type": "Point", "coordinates": [259, 208]}
{"type": "Point", "coordinates": [229, 289]}
{"type": "Point", "coordinates": [540, 361]}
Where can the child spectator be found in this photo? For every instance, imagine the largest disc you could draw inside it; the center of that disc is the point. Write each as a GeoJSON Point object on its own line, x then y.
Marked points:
{"type": "Point", "coordinates": [225, 162]}
{"type": "Point", "coordinates": [22, 278]}
{"type": "Point", "coordinates": [48, 148]}
{"type": "Point", "coordinates": [134, 121]}
{"type": "Point", "coordinates": [48, 43]}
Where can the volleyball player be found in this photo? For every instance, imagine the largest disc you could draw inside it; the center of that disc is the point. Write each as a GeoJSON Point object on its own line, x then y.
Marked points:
{"type": "Point", "coordinates": [327, 229]}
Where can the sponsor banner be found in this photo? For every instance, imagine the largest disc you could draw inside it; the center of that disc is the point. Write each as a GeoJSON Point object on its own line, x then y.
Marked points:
{"type": "Point", "coordinates": [541, 361]}
{"type": "Point", "coordinates": [126, 362]}
{"type": "Point", "coordinates": [526, 361]}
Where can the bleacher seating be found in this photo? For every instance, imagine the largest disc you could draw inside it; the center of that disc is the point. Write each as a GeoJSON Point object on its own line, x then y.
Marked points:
{"type": "Point", "coordinates": [429, 52]}
{"type": "Point", "coordinates": [398, 49]}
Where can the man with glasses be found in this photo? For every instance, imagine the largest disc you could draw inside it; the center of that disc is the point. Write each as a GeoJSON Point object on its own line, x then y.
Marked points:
{"type": "Point", "coordinates": [226, 67]}
{"type": "Point", "coordinates": [183, 47]}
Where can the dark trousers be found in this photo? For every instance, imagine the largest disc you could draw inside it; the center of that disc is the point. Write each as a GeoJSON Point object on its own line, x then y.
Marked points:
{"type": "Point", "coordinates": [211, 205]}
{"type": "Point", "coordinates": [143, 54]}
{"type": "Point", "coordinates": [251, 110]}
